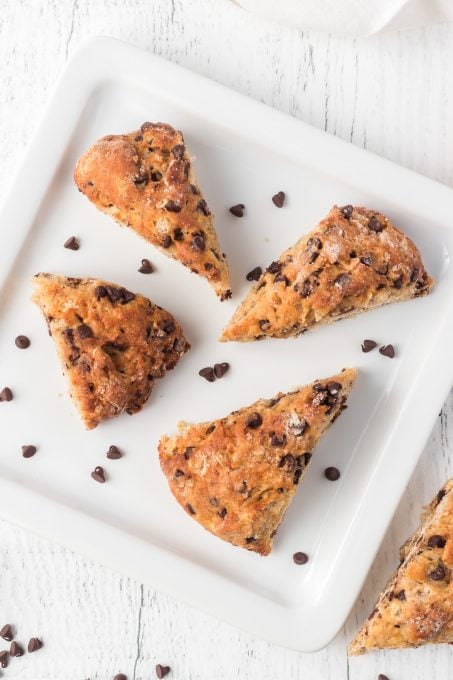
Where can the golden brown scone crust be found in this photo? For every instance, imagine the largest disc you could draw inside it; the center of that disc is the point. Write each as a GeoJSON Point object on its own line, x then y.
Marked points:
{"type": "Point", "coordinates": [145, 180]}
{"type": "Point", "coordinates": [237, 476]}
{"type": "Point", "coordinates": [416, 607]}
{"type": "Point", "coordinates": [112, 344]}
{"type": "Point", "coordinates": [353, 261]}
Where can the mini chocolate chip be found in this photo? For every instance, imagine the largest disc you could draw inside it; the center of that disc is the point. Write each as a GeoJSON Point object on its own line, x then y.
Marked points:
{"type": "Point", "coordinates": [114, 453]}
{"type": "Point", "coordinates": [237, 210]}
{"type": "Point", "coordinates": [156, 176]}
{"type": "Point", "coordinates": [342, 280]}
{"type": "Point", "coordinates": [22, 342]}
{"type": "Point", "coordinates": [7, 632]}
{"type": "Point", "coordinates": [188, 452]}
{"type": "Point", "coordinates": [98, 474]}
{"type": "Point", "coordinates": [190, 509]}
{"type": "Point", "coordinates": [178, 234]}
{"type": "Point", "coordinates": [398, 283]}
{"type": "Point", "coordinates": [166, 241]}
{"type": "Point", "coordinates": [207, 373]}
{"type": "Point", "coordinates": [332, 474]}
{"type": "Point", "coordinates": [223, 513]}
{"type": "Point", "coordinates": [221, 369]}
{"type": "Point", "coordinates": [172, 206]}
{"type": "Point", "coordinates": [210, 429]}
{"type": "Point", "coordinates": [438, 574]}
{"type": "Point", "coordinates": [280, 489]}
{"type": "Point", "coordinates": [179, 473]}
{"type": "Point", "coordinates": [314, 243]}
{"type": "Point", "coordinates": [387, 351]}
{"type": "Point", "coordinates": [4, 658]}
{"type": "Point", "coordinates": [300, 558]}
{"type": "Point", "coordinates": [146, 267]}
{"type": "Point", "coordinates": [352, 254]}
{"type": "Point", "coordinates": [255, 274]}
{"type": "Point", "coordinates": [401, 595]}
{"type": "Point", "coordinates": [202, 207]}
{"type": "Point", "coordinates": [274, 267]}
{"type": "Point", "coordinates": [250, 539]}
{"type": "Point", "coordinates": [278, 199]}
{"type": "Point", "coordinates": [72, 243]}
{"type": "Point", "coordinates": [253, 421]}
{"type": "Point", "coordinates": [281, 278]}
{"type": "Point", "coordinates": [297, 476]}
{"type": "Point", "coordinates": [141, 178]}
{"type": "Point", "coordinates": [84, 331]}
{"type": "Point", "coordinates": [374, 224]}
{"type": "Point", "coordinates": [264, 324]}
{"type": "Point", "coordinates": [368, 345]}
{"type": "Point", "coordinates": [6, 394]}
{"type": "Point", "coordinates": [381, 676]}
{"type": "Point", "coordinates": [178, 151]}
{"type": "Point", "coordinates": [305, 289]}
{"type": "Point", "coordinates": [346, 211]}
{"type": "Point", "coordinates": [194, 189]}
{"type": "Point", "coordinates": [16, 649]}
{"type": "Point", "coordinates": [414, 275]}
{"type": "Point", "coordinates": [162, 671]}
{"type": "Point", "coordinates": [198, 243]}
{"type": "Point", "coordinates": [278, 440]}
{"type": "Point", "coordinates": [34, 644]}
{"type": "Point", "coordinates": [28, 450]}
{"type": "Point", "coordinates": [313, 257]}
{"type": "Point", "coordinates": [100, 292]}
{"type": "Point", "coordinates": [436, 541]}
{"type": "Point", "coordinates": [366, 261]}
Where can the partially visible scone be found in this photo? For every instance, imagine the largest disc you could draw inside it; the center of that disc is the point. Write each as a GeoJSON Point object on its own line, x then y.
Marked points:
{"type": "Point", "coordinates": [145, 180]}
{"type": "Point", "coordinates": [416, 607]}
{"type": "Point", "coordinates": [112, 343]}
{"type": "Point", "coordinates": [237, 476]}
{"type": "Point", "coordinates": [353, 261]}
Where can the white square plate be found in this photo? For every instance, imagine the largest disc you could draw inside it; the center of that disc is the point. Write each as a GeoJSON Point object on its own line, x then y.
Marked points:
{"type": "Point", "coordinates": [244, 152]}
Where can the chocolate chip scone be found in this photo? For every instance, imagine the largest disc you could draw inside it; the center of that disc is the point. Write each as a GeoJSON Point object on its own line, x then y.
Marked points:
{"type": "Point", "coordinates": [112, 343]}
{"type": "Point", "coordinates": [353, 261]}
{"type": "Point", "coordinates": [145, 180]}
{"type": "Point", "coordinates": [416, 607]}
{"type": "Point", "coordinates": [237, 476]}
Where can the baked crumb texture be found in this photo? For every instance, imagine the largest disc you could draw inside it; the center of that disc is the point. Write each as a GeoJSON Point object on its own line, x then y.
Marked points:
{"type": "Point", "coordinates": [416, 607]}
{"type": "Point", "coordinates": [237, 476]}
{"type": "Point", "coordinates": [112, 344]}
{"type": "Point", "coordinates": [353, 261]}
{"type": "Point", "coordinates": [145, 180]}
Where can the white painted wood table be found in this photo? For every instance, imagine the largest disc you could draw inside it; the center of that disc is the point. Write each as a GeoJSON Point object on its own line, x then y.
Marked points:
{"type": "Point", "coordinates": [392, 94]}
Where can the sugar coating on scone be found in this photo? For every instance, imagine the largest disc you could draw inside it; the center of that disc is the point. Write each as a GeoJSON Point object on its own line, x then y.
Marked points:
{"type": "Point", "coordinates": [145, 180]}
{"type": "Point", "coordinates": [416, 607]}
{"type": "Point", "coordinates": [112, 344]}
{"type": "Point", "coordinates": [355, 260]}
{"type": "Point", "coordinates": [237, 476]}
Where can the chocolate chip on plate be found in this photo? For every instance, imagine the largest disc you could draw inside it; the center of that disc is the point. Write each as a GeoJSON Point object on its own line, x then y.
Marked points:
{"type": "Point", "coordinates": [3, 658]}
{"type": "Point", "coordinates": [22, 342]}
{"type": "Point", "coordinates": [255, 274]}
{"type": "Point", "coordinates": [221, 369]}
{"type": "Point", "coordinates": [146, 267]}
{"type": "Point", "coordinates": [381, 676]}
{"type": "Point", "coordinates": [237, 210]}
{"type": "Point", "coordinates": [6, 394]}
{"type": "Point", "coordinates": [207, 373]}
{"type": "Point", "coordinates": [72, 243]}
{"type": "Point", "coordinates": [98, 474]}
{"type": "Point", "coordinates": [7, 632]}
{"type": "Point", "coordinates": [16, 649]}
{"type": "Point", "coordinates": [387, 351]}
{"type": "Point", "coordinates": [162, 671]}
{"type": "Point", "coordinates": [34, 644]}
{"type": "Point", "coordinates": [120, 676]}
{"type": "Point", "coordinates": [114, 453]}
{"type": "Point", "coordinates": [332, 474]}
{"type": "Point", "coordinates": [300, 558]}
{"type": "Point", "coordinates": [254, 421]}
{"type": "Point", "coordinates": [28, 450]}
{"type": "Point", "coordinates": [278, 199]}
{"type": "Point", "coordinates": [368, 345]}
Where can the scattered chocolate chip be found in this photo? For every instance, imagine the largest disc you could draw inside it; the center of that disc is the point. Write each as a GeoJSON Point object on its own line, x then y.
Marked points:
{"type": "Point", "coordinates": [4, 658]}
{"type": "Point", "coordinates": [7, 632]}
{"type": "Point", "coordinates": [366, 261]}
{"type": "Point", "coordinates": [28, 450]}
{"type": "Point", "coordinates": [300, 558]}
{"type": "Point", "coordinates": [72, 243]}
{"type": "Point", "coordinates": [198, 242]}
{"type": "Point", "coordinates": [190, 509]}
{"type": "Point", "coordinates": [221, 369]}
{"type": "Point", "coordinates": [254, 420]}
{"type": "Point", "coordinates": [368, 345]}
{"type": "Point", "coordinates": [278, 199]}
{"type": "Point", "coordinates": [250, 539]}
{"type": "Point", "coordinates": [34, 644]}
{"type": "Point", "coordinates": [22, 342]}
{"type": "Point", "coordinates": [332, 474]}
{"type": "Point", "coordinates": [100, 292]}
{"type": "Point", "coordinates": [264, 324]}
{"type": "Point", "coordinates": [387, 351]}
{"type": "Point", "coordinates": [114, 453]}
{"type": "Point", "coordinates": [162, 671]}
{"type": "Point", "coordinates": [156, 176]}
{"type": "Point", "coordinates": [274, 267]}
{"type": "Point", "coordinates": [438, 574]}
{"type": "Point", "coordinates": [172, 206]}
{"type": "Point", "coordinates": [178, 151]}
{"type": "Point", "coordinates": [202, 207]}
{"type": "Point", "coordinates": [84, 331]}
{"type": "Point", "coordinates": [346, 211]}
{"type": "Point", "coordinates": [166, 242]}
{"type": "Point", "coordinates": [6, 394]}
{"type": "Point", "coordinates": [98, 474]}
{"type": "Point", "coordinates": [374, 224]}
{"type": "Point", "coordinates": [16, 649]}
{"type": "Point", "coordinates": [436, 541]}
{"type": "Point", "coordinates": [146, 267]}
{"type": "Point", "coordinates": [255, 274]}
{"type": "Point", "coordinates": [207, 373]}
{"type": "Point", "coordinates": [278, 440]}
{"type": "Point", "coordinates": [401, 595]}
{"type": "Point", "coordinates": [237, 210]}
{"type": "Point", "coordinates": [223, 513]}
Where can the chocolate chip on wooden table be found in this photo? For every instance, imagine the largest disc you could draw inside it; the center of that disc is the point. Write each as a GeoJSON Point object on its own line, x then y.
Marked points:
{"type": "Point", "coordinates": [22, 342]}
{"type": "Point", "coordinates": [387, 351]}
{"type": "Point", "coordinates": [255, 274]}
{"type": "Point", "coordinates": [3, 658]}
{"type": "Point", "coordinates": [237, 210]}
{"type": "Point", "coordinates": [146, 267]}
{"type": "Point", "coordinates": [368, 345]}
{"type": "Point", "coordinates": [254, 421]}
{"type": "Point", "coordinates": [207, 373]}
{"type": "Point", "coordinates": [300, 558]}
{"type": "Point", "coordinates": [16, 649]}
{"type": "Point", "coordinates": [34, 644]}
{"type": "Point", "coordinates": [436, 541]}
{"type": "Point", "coordinates": [332, 474]}
{"type": "Point", "coordinates": [98, 474]}
{"type": "Point", "coordinates": [278, 199]}
{"type": "Point", "coordinates": [72, 243]}
{"type": "Point", "coordinates": [221, 369]}
{"type": "Point", "coordinates": [28, 450]}
{"type": "Point", "coordinates": [7, 632]}
{"type": "Point", "coordinates": [6, 394]}
{"type": "Point", "coordinates": [114, 453]}
{"type": "Point", "coordinates": [162, 671]}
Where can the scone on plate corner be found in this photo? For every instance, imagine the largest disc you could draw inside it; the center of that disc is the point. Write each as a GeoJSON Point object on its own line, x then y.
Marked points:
{"type": "Point", "coordinates": [237, 476]}
{"type": "Point", "coordinates": [113, 344]}
{"type": "Point", "coordinates": [145, 180]}
{"type": "Point", "coordinates": [355, 260]}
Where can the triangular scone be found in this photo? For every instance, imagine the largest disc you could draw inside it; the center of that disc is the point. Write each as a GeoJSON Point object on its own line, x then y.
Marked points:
{"type": "Point", "coordinates": [353, 261]}
{"type": "Point", "coordinates": [112, 344]}
{"type": "Point", "coordinates": [416, 607]}
{"type": "Point", "coordinates": [237, 476]}
{"type": "Point", "coordinates": [145, 180]}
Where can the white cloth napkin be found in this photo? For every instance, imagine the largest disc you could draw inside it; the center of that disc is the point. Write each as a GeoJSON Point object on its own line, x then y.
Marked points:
{"type": "Point", "coordinates": [352, 17]}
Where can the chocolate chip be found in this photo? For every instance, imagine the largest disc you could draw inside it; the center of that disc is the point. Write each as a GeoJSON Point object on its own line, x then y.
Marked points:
{"type": "Point", "coordinates": [332, 474]}
{"type": "Point", "coordinates": [4, 658]}
{"type": "Point", "coordinates": [190, 509]}
{"type": "Point", "coordinates": [6, 394]}
{"type": "Point", "coordinates": [237, 210]}
{"type": "Point", "coordinates": [221, 369]}
{"type": "Point", "coordinates": [34, 644]}
{"type": "Point", "coordinates": [346, 211]}
{"type": "Point", "coordinates": [146, 267]}
{"type": "Point", "coordinates": [100, 292]}
{"type": "Point", "coordinates": [398, 283]}
{"type": "Point", "coordinates": [438, 574]}
{"type": "Point", "coordinates": [401, 595]}
{"type": "Point", "coordinates": [436, 541]}
{"type": "Point", "coordinates": [84, 331]}
{"type": "Point", "coordinates": [374, 224]}
{"type": "Point", "coordinates": [277, 440]}
{"type": "Point", "coordinates": [120, 676]}
{"type": "Point", "coordinates": [441, 494]}
{"type": "Point", "coordinates": [98, 474]}
{"type": "Point", "coordinates": [264, 324]}
{"type": "Point", "coordinates": [28, 450]}
{"type": "Point", "coordinates": [178, 151]}
{"type": "Point", "coordinates": [156, 176]}
{"type": "Point", "coordinates": [166, 241]}
{"type": "Point", "coordinates": [381, 676]}
{"type": "Point", "coordinates": [366, 261]}
{"type": "Point", "coordinates": [300, 558]}
{"type": "Point", "coordinates": [207, 373]}
{"type": "Point", "coordinates": [253, 421]}
{"type": "Point", "coordinates": [195, 190]}
{"type": "Point", "coordinates": [342, 280]}
{"type": "Point", "coordinates": [278, 199]}
{"type": "Point", "coordinates": [188, 452]}
{"type": "Point", "coordinates": [198, 242]}
{"type": "Point", "coordinates": [22, 342]}
{"type": "Point", "coordinates": [387, 351]}
{"type": "Point", "coordinates": [313, 257]}
{"type": "Point", "coordinates": [138, 138]}
{"type": "Point", "coordinates": [141, 178]}
{"type": "Point", "coordinates": [72, 243]}
{"type": "Point", "coordinates": [281, 278]}
{"type": "Point", "coordinates": [368, 345]}
{"type": "Point", "coordinates": [7, 632]}
{"type": "Point", "coordinates": [223, 513]}
{"type": "Point", "coordinates": [255, 274]}
{"type": "Point", "coordinates": [305, 289]}
{"type": "Point", "coordinates": [274, 267]}
{"type": "Point", "coordinates": [162, 671]}
{"type": "Point", "coordinates": [179, 473]}
{"type": "Point", "coordinates": [202, 207]}
{"type": "Point", "coordinates": [16, 649]}
{"type": "Point", "coordinates": [250, 539]}
{"type": "Point", "coordinates": [114, 453]}
{"type": "Point", "coordinates": [210, 429]}
{"type": "Point", "coordinates": [172, 206]}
